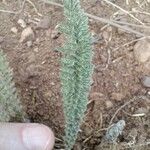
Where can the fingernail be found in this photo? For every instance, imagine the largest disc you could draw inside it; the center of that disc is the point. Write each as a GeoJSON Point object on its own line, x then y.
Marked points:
{"type": "Point", "coordinates": [37, 137]}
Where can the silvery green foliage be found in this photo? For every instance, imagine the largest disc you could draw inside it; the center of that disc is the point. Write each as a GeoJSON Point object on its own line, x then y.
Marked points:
{"type": "Point", "coordinates": [9, 103]}
{"type": "Point", "coordinates": [114, 131]}
{"type": "Point", "coordinates": [76, 68]}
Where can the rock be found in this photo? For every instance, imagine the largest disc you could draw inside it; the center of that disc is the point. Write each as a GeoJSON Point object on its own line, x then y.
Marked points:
{"type": "Point", "coordinates": [44, 23]}
{"type": "Point", "coordinates": [114, 131]}
{"type": "Point", "coordinates": [1, 39]}
{"type": "Point", "coordinates": [14, 30]}
{"type": "Point", "coordinates": [27, 35]}
{"type": "Point", "coordinates": [146, 81]}
{"type": "Point", "coordinates": [117, 96]}
{"type": "Point", "coordinates": [29, 43]}
{"type": "Point", "coordinates": [22, 23]}
{"type": "Point", "coordinates": [108, 104]}
{"type": "Point", "coordinates": [142, 51]}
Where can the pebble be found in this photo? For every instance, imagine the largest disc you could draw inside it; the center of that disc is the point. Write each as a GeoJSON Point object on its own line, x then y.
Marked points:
{"type": "Point", "coordinates": [36, 49]}
{"type": "Point", "coordinates": [14, 30]}
{"type": "Point", "coordinates": [146, 81]}
{"type": "Point", "coordinates": [29, 43]}
{"type": "Point", "coordinates": [44, 23]}
{"type": "Point", "coordinates": [142, 51]}
{"type": "Point", "coordinates": [27, 35]}
{"type": "Point", "coordinates": [55, 34]}
{"type": "Point", "coordinates": [107, 34]}
{"type": "Point", "coordinates": [22, 23]}
{"type": "Point", "coordinates": [109, 104]}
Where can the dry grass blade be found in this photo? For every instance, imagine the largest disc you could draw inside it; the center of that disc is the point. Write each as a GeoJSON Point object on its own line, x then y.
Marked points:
{"type": "Point", "coordinates": [14, 12]}
{"type": "Point", "coordinates": [127, 103]}
{"type": "Point", "coordinates": [18, 12]}
{"type": "Point", "coordinates": [103, 20]}
{"type": "Point", "coordinates": [107, 1]}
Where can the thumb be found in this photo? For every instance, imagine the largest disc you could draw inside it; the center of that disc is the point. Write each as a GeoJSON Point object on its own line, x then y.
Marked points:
{"type": "Point", "coordinates": [17, 136]}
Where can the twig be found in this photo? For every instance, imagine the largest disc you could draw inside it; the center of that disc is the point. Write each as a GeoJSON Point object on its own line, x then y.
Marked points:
{"type": "Point", "coordinates": [141, 12]}
{"type": "Point", "coordinates": [18, 12]}
{"type": "Point", "coordinates": [107, 63]}
{"type": "Point", "coordinates": [7, 11]}
{"type": "Point", "coordinates": [115, 24]}
{"type": "Point", "coordinates": [127, 103]}
{"type": "Point", "coordinates": [134, 115]}
{"type": "Point", "coordinates": [131, 42]}
{"type": "Point", "coordinates": [13, 12]}
{"type": "Point", "coordinates": [52, 3]}
{"type": "Point", "coordinates": [137, 145]}
{"type": "Point", "coordinates": [34, 7]}
{"type": "Point", "coordinates": [109, 2]}
{"type": "Point", "coordinates": [103, 20]}
{"type": "Point", "coordinates": [130, 24]}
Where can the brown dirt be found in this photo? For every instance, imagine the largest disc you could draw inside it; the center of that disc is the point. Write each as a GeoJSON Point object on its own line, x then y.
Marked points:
{"type": "Point", "coordinates": [115, 82]}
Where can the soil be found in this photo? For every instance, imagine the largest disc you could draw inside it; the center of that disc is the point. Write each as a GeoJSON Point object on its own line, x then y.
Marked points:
{"type": "Point", "coordinates": [116, 79]}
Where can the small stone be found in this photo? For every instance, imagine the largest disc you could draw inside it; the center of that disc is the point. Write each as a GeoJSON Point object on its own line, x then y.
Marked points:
{"type": "Point", "coordinates": [44, 23]}
{"type": "Point", "coordinates": [36, 49]}
{"type": "Point", "coordinates": [146, 81]}
{"type": "Point", "coordinates": [29, 43]}
{"type": "Point", "coordinates": [148, 93]}
{"type": "Point", "coordinates": [22, 23]}
{"type": "Point", "coordinates": [27, 35]}
{"type": "Point", "coordinates": [117, 96]}
{"type": "Point", "coordinates": [1, 39]}
{"type": "Point", "coordinates": [114, 131]}
{"type": "Point", "coordinates": [14, 30]}
{"type": "Point", "coordinates": [55, 34]}
{"type": "Point", "coordinates": [109, 104]}
{"type": "Point", "coordinates": [52, 83]}
{"type": "Point", "coordinates": [107, 34]}
{"type": "Point", "coordinates": [142, 51]}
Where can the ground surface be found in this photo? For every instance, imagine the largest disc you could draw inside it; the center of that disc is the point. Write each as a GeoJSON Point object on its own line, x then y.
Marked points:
{"type": "Point", "coordinates": [117, 77]}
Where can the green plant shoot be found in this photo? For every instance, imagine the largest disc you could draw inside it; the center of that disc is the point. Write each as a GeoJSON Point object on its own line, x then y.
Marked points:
{"type": "Point", "coordinates": [76, 69]}
{"type": "Point", "coordinates": [9, 102]}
